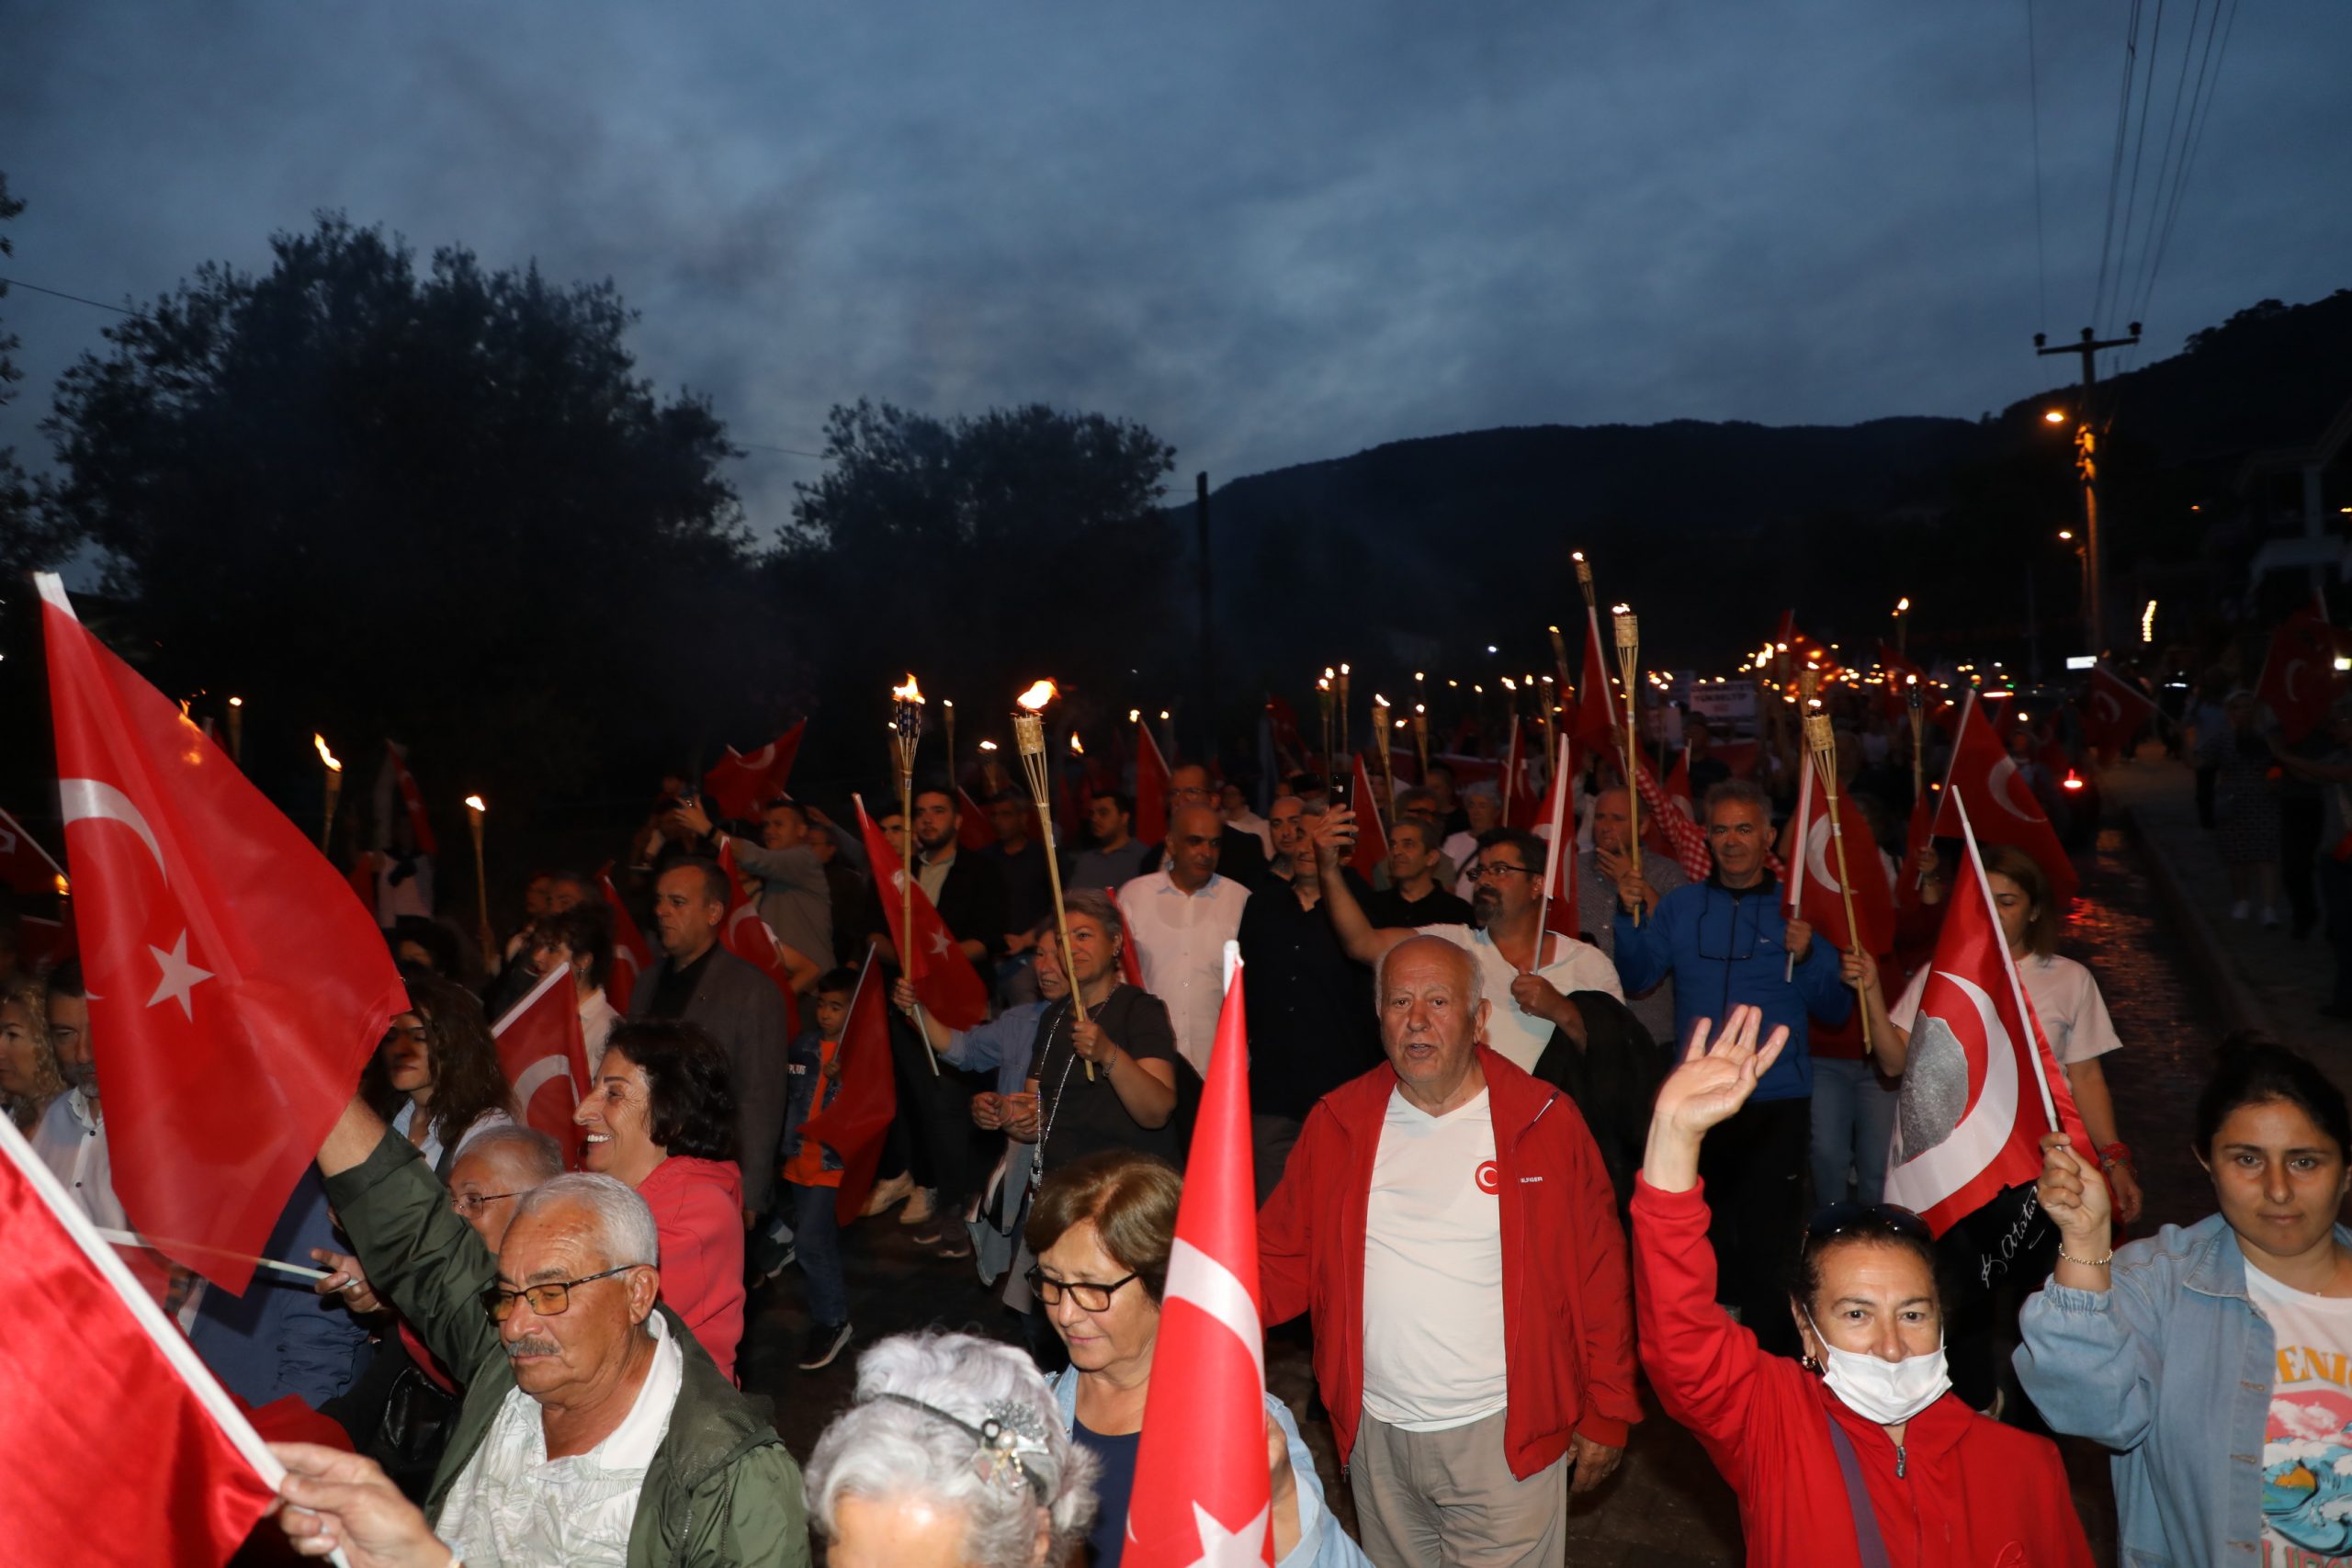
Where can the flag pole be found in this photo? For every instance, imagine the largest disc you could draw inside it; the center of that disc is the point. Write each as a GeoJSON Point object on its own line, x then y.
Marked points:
{"type": "Point", "coordinates": [906, 734]}
{"type": "Point", "coordinates": [1560, 836]}
{"type": "Point", "coordinates": [1629, 642]}
{"type": "Point", "coordinates": [1029, 739]}
{"type": "Point", "coordinates": [1805, 832]}
{"type": "Point", "coordinates": [1821, 739]}
{"type": "Point", "coordinates": [160, 1330]}
{"type": "Point", "coordinates": [2008, 964]}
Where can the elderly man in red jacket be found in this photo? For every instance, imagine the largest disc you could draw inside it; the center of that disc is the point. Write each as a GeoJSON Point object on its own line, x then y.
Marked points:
{"type": "Point", "coordinates": [1448, 1220]}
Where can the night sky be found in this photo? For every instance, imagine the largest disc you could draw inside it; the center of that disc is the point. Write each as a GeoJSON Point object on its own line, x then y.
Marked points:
{"type": "Point", "coordinates": [1275, 234]}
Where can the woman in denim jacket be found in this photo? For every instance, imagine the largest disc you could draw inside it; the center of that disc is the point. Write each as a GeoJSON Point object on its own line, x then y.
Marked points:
{"type": "Point", "coordinates": [2215, 1360]}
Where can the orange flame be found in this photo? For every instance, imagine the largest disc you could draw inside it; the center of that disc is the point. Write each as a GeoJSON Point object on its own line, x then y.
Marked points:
{"type": "Point", "coordinates": [473, 803]}
{"type": "Point", "coordinates": [909, 693]}
{"type": "Point", "coordinates": [1075, 749]}
{"type": "Point", "coordinates": [1035, 698]}
{"type": "Point", "coordinates": [324, 755]}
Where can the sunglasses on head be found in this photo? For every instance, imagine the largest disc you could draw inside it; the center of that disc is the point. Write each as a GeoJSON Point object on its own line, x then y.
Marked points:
{"type": "Point", "coordinates": [1839, 1218]}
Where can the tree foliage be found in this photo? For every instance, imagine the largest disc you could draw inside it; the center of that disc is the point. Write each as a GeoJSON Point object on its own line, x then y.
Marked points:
{"type": "Point", "coordinates": [982, 551]}
{"type": "Point", "coordinates": [26, 540]}
{"type": "Point", "coordinates": [431, 502]}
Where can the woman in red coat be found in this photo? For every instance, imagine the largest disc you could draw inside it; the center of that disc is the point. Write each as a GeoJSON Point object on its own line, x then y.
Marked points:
{"type": "Point", "coordinates": [1859, 1454]}
{"type": "Point", "coordinates": [660, 1116]}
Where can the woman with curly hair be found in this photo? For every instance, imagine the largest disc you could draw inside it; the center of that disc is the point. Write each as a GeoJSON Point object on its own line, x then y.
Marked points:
{"type": "Point", "coordinates": [29, 1075]}
{"type": "Point", "coordinates": [660, 1116]}
{"type": "Point", "coordinates": [436, 1077]}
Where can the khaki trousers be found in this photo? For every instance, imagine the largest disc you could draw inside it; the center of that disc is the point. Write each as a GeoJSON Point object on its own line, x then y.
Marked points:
{"type": "Point", "coordinates": [1448, 1499]}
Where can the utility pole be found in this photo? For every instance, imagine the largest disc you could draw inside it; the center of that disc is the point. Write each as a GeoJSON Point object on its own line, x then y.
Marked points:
{"type": "Point", "coordinates": [1208, 722]}
{"type": "Point", "coordinates": [2086, 466]}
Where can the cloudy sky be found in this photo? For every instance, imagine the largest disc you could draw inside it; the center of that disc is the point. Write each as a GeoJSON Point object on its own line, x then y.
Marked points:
{"type": "Point", "coordinates": [1272, 233]}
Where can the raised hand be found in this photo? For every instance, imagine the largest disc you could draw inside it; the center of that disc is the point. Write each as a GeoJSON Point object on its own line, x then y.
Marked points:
{"type": "Point", "coordinates": [1706, 1090]}
{"type": "Point", "coordinates": [2075, 1197]}
{"type": "Point", "coordinates": [1334, 834]}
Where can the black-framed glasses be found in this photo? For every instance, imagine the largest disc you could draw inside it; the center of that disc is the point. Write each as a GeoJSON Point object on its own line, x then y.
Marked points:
{"type": "Point", "coordinates": [1839, 1218]}
{"type": "Point", "coordinates": [1088, 1297]}
{"type": "Point", "coordinates": [470, 1205]}
{"type": "Point", "coordinates": [549, 1300]}
{"type": "Point", "coordinates": [1487, 869]}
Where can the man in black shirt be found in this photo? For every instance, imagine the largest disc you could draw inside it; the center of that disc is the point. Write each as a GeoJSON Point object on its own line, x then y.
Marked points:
{"type": "Point", "coordinates": [1311, 1022]}
{"type": "Point", "coordinates": [1412, 897]}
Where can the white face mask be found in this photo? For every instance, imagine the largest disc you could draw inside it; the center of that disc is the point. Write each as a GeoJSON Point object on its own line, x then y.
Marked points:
{"type": "Point", "coordinates": [1887, 1393]}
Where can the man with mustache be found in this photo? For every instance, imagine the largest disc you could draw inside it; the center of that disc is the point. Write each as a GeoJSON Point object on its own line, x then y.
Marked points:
{"type": "Point", "coordinates": [595, 1428]}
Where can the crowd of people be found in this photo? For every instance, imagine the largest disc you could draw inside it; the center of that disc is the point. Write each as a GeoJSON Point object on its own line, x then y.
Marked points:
{"type": "Point", "coordinates": [1506, 1173]}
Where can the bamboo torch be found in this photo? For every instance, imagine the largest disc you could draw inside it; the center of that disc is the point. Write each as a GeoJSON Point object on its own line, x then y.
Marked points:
{"type": "Point", "coordinates": [906, 734]}
{"type": "Point", "coordinates": [1421, 737]}
{"type": "Point", "coordinates": [1029, 738]}
{"type": "Point", "coordinates": [948, 720]}
{"type": "Point", "coordinates": [1629, 647]}
{"type": "Point", "coordinates": [1347, 741]}
{"type": "Point", "coordinates": [1821, 739]}
{"type": "Point", "coordinates": [1323, 700]}
{"type": "Point", "coordinates": [237, 730]}
{"type": "Point", "coordinates": [1388, 768]}
{"type": "Point", "coordinates": [474, 813]}
{"type": "Point", "coordinates": [334, 793]}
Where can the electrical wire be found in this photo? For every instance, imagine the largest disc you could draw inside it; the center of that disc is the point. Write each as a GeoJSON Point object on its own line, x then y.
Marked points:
{"type": "Point", "coordinates": [2139, 152]}
{"type": "Point", "coordinates": [2115, 165]}
{"type": "Point", "coordinates": [61, 294]}
{"type": "Point", "coordinates": [2033, 96]}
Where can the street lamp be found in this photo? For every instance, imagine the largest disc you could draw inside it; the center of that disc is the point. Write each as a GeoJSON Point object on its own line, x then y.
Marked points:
{"type": "Point", "coordinates": [2054, 416]}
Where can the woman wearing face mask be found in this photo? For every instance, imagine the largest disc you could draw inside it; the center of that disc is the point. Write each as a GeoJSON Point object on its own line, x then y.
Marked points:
{"type": "Point", "coordinates": [1859, 1453]}
{"type": "Point", "coordinates": [660, 1116]}
{"type": "Point", "coordinates": [2194, 1351]}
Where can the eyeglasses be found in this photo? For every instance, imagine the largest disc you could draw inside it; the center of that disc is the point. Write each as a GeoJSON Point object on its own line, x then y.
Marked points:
{"type": "Point", "coordinates": [469, 1204]}
{"type": "Point", "coordinates": [1839, 1218]}
{"type": "Point", "coordinates": [1489, 870]}
{"type": "Point", "coordinates": [1089, 1298]}
{"type": "Point", "coordinates": [549, 1300]}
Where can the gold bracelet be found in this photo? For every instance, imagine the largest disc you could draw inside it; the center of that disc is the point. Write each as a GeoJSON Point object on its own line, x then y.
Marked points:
{"type": "Point", "coordinates": [2085, 1262]}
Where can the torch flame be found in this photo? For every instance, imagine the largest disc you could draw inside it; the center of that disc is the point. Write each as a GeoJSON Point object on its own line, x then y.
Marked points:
{"type": "Point", "coordinates": [1135, 716]}
{"type": "Point", "coordinates": [236, 702]}
{"type": "Point", "coordinates": [909, 693]}
{"type": "Point", "coordinates": [1324, 684]}
{"type": "Point", "coordinates": [1378, 701]}
{"type": "Point", "coordinates": [473, 803]}
{"type": "Point", "coordinates": [1076, 749]}
{"type": "Point", "coordinates": [1901, 604]}
{"type": "Point", "coordinates": [324, 755]}
{"type": "Point", "coordinates": [1576, 555]}
{"type": "Point", "coordinates": [988, 745]}
{"type": "Point", "coordinates": [64, 888]}
{"type": "Point", "coordinates": [1420, 707]}
{"type": "Point", "coordinates": [1343, 669]}
{"type": "Point", "coordinates": [1035, 698]}
{"type": "Point", "coordinates": [1163, 716]}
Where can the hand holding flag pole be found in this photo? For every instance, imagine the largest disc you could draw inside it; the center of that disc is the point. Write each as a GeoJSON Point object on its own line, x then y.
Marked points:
{"type": "Point", "coordinates": [1029, 738]}
{"type": "Point", "coordinates": [1629, 644]}
{"type": "Point", "coordinates": [1821, 739]}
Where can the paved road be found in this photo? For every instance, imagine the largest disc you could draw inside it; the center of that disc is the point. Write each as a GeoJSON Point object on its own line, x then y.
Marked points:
{"type": "Point", "coordinates": [1666, 1504]}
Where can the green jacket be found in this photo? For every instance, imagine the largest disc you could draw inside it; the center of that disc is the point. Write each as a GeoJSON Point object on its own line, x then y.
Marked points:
{"type": "Point", "coordinates": [722, 1489]}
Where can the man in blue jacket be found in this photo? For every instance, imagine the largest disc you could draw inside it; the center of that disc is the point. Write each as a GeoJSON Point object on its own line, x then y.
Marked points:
{"type": "Point", "coordinates": [1726, 940]}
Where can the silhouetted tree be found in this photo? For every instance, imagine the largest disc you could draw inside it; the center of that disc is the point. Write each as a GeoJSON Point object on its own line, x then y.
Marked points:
{"type": "Point", "coordinates": [27, 539]}
{"type": "Point", "coordinates": [434, 504]}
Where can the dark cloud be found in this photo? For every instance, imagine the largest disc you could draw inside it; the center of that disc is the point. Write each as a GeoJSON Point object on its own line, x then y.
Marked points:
{"type": "Point", "coordinates": [1275, 234]}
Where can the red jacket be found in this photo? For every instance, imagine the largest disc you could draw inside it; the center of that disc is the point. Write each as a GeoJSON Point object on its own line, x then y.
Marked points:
{"type": "Point", "coordinates": [698, 1213]}
{"type": "Point", "coordinates": [1962, 1492]}
{"type": "Point", "coordinates": [1567, 1320]}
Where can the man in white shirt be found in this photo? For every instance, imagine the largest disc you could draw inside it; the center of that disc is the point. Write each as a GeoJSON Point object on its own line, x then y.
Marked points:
{"type": "Point", "coordinates": [72, 1137]}
{"type": "Point", "coordinates": [1180, 920]}
{"type": "Point", "coordinates": [1529, 998]}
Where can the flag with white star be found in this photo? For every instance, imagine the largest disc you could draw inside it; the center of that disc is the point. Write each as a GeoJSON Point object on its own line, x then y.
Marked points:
{"type": "Point", "coordinates": [236, 988]}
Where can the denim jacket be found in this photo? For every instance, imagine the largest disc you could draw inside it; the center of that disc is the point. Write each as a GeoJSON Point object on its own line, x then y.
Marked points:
{"type": "Point", "coordinates": [1321, 1543]}
{"type": "Point", "coordinates": [2170, 1368]}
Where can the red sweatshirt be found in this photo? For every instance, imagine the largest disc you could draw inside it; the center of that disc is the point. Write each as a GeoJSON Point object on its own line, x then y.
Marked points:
{"type": "Point", "coordinates": [1962, 1492]}
{"type": "Point", "coordinates": [1566, 1323]}
{"type": "Point", "coordinates": [698, 1209]}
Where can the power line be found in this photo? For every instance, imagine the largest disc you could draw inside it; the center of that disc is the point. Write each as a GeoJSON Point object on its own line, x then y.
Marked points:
{"type": "Point", "coordinates": [2139, 152]}
{"type": "Point", "coordinates": [61, 294]}
{"type": "Point", "coordinates": [2033, 94]}
{"type": "Point", "coordinates": [2201, 115]}
{"type": "Point", "coordinates": [2115, 167]}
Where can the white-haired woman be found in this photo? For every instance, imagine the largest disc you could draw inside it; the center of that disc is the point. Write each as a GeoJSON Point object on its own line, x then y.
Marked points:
{"type": "Point", "coordinates": [953, 1457]}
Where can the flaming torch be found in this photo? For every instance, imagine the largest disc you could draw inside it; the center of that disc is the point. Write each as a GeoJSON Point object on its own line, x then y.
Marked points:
{"type": "Point", "coordinates": [1323, 700]}
{"type": "Point", "coordinates": [1421, 737]}
{"type": "Point", "coordinates": [1821, 739]}
{"type": "Point", "coordinates": [237, 730]}
{"type": "Point", "coordinates": [1029, 738]}
{"type": "Point", "coordinates": [334, 792]}
{"type": "Point", "coordinates": [474, 810]}
{"type": "Point", "coordinates": [1340, 691]}
{"type": "Point", "coordinates": [906, 734]}
{"type": "Point", "coordinates": [1629, 647]}
{"type": "Point", "coordinates": [1388, 763]}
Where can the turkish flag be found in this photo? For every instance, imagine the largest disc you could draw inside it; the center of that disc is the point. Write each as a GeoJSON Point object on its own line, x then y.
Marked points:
{"type": "Point", "coordinates": [1805, 650]}
{"type": "Point", "coordinates": [1151, 788]}
{"type": "Point", "coordinates": [973, 829]}
{"type": "Point", "coordinates": [1521, 801]}
{"type": "Point", "coordinates": [751, 939]}
{"type": "Point", "coordinates": [236, 988]}
{"type": "Point", "coordinates": [1201, 1491]}
{"type": "Point", "coordinates": [1808, 847]}
{"type": "Point", "coordinates": [1901, 674]}
{"type": "Point", "coordinates": [2114, 709]}
{"type": "Point", "coordinates": [2298, 676]}
{"type": "Point", "coordinates": [1597, 717]}
{"type": "Point", "coordinates": [545, 1058]}
{"type": "Point", "coordinates": [1130, 959]}
{"type": "Point", "coordinates": [743, 784]}
{"type": "Point", "coordinates": [1372, 839]}
{"type": "Point", "coordinates": [25, 866]}
{"type": "Point", "coordinates": [1560, 880]}
{"type": "Point", "coordinates": [1981, 1085]}
{"type": "Point", "coordinates": [944, 979]}
{"type": "Point", "coordinates": [1686, 840]}
{"type": "Point", "coordinates": [420, 825]}
{"type": "Point", "coordinates": [118, 1445]}
{"type": "Point", "coordinates": [1282, 727]}
{"type": "Point", "coordinates": [631, 956]}
{"type": "Point", "coordinates": [2006, 805]}
{"type": "Point", "coordinates": [853, 1124]}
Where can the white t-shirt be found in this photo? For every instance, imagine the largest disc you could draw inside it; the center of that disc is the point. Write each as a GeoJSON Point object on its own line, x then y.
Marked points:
{"type": "Point", "coordinates": [1433, 1271]}
{"type": "Point", "coordinates": [2064, 997]}
{"type": "Point", "coordinates": [2307, 1441]}
{"type": "Point", "coordinates": [1574, 966]}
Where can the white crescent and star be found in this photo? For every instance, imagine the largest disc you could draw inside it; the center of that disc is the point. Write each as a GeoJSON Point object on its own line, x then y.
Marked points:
{"type": "Point", "coordinates": [2003, 781]}
{"type": "Point", "coordinates": [95, 800]}
{"type": "Point", "coordinates": [1221, 1547]}
{"type": "Point", "coordinates": [179, 977]}
{"type": "Point", "coordinates": [2294, 668]}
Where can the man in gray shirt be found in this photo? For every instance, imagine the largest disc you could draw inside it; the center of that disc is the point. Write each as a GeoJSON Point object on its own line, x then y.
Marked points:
{"type": "Point", "coordinates": [794, 898]}
{"type": "Point", "coordinates": [1597, 902]}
